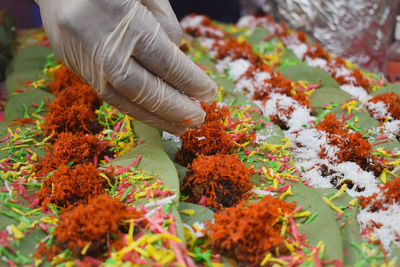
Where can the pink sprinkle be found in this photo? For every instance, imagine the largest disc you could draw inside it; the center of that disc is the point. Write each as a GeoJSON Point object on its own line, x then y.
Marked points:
{"type": "Point", "coordinates": [136, 161]}
{"type": "Point", "coordinates": [280, 189]}
{"type": "Point", "coordinates": [5, 138]}
{"type": "Point", "coordinates": [317, 260]}
{"type": "Point", "coordinates": [28, 158]}
{"type": "Point", "coordinates": [381, 142]}
{"type": "Point", "coordinates": [203, 201]}
{"type": "Point", "coordinates": [314, 86]}
{"type": "Point", "coordinates": [148, 194]}
{"type": "Point", "coordinates": [93, 261]}
{"type": "Point", "coordinates": [295, 210]}
{"type": "Point", "coordinates": [336, 263]}
{"type": "Point", "coordinates": [293, 228]}
{"type": "Point", "coordinates": [381, 137]}
{"type": "Point", "coordinates": [95, 161]}
{"type": "Point", "coordinates": [108, 159]}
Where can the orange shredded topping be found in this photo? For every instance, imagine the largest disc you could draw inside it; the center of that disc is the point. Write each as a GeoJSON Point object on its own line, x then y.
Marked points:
{"type": "Point", "coordinates": [249, 233]}
{"type": "Point", "coordinates": [79, 148]}
{"type": "Point", "coordinates": [209, 139]}
{"type": "Point", "coordinates": [71, 185]}
{"type": "Point", "coordinates": [100, 222]}
{"type": "Point", "coordinates": [222, 179]}
{"type": "Point", "coordinates": [392, 101]}
{"type": "Point", "coordinates": [390, 193]}
{"type": "Point", "coordinates": [351, 146]}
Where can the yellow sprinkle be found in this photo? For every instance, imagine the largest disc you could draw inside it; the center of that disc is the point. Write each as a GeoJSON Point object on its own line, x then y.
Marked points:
{"type": "Point", "coordinates": [85, 248]}
{"type": "Point", "coordinates": [340, 192]}
{"type": "Point", "coordinates": [394, 163]}
{"type": "Point", "coordinates": [17, 233]}
{"type": "Point", "coordinates": [252, 153]}
{"type": "Point", "coordinates": [353, 202]}
{"type": "Point", "coordinates": [290, 247]}
{"type": "Point", "coordinates": [383, 176]}
{"type": "Point", "coordinates": [37, 116]}
{"type": "Point", "coordinates": [105, 177]}
{"type": "Point", "coordinates": [287, 193]}
{"type": "Point", "coordinates": [330, 204]}
{"type": "Point", "coordinates": [309, 92]}
{"type": "Point", "coordinates": [38, 262]}
{"type": "Point", "coordinates": [266, 259]}
{"type": "Point", "coordinates": [17, 211]}
{"type": "Point", "coordinates": [188, 212]}
{"type": "Point", "coordinates": [50, 220]}
{"type": "Point", "coordinates": [301, 214]}
{"type": "Point", "coordinates": [275, 185]}
{"type": "Point", "coordinates": [387, 119]}
{"type": "Point", "coordinates": [356, 119]}
{"type": "Point", "coordinates": [220, 94]}
{"type": "Point", "coordinates": [241, 145]}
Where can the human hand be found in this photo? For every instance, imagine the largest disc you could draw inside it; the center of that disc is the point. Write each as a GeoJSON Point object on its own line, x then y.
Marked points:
{"type": "Point", "coordinates": [128, 51]}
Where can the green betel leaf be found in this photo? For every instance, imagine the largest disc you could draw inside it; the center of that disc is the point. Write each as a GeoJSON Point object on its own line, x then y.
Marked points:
{"type": "Point", "coordinates": [325, 95]}
{"type": "Point", "coordinates": [364, 120]}
{"type": "Point", "coordinates": [21, 105]}
{"type": "Point", "coordinates": [16, 80]}
{"type": "Point", "coordinates": [147, 134]}
{"type": "Point", "coordinates": [395, 88]}
{"type": "Point", "coordinates": [323, 227]}
{"type": "Point", "coordinates": [201, 214]}
{"type": "Point", "coordinates": [257, 36]}
{"type": "Point", "coordinates": [309, 74]}
{"type": "Point", "coordinates": [31, 58]}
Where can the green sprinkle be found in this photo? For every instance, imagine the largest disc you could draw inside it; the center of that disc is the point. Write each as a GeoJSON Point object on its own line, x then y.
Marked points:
{"type": "Point", "coordinates": [321, 116]}
{"type": "Point", "coordinates": [24, 260]}
{"type": "Point", "coordinates": [14, 205]}
{"type": "Point", "coordinates": [206, 255]}
{"type": "Point", "coordinates": [40, 108]}
{"type": "Point", "coordinates": [26, 112]}
{"type": "Point", "coordinates": [358, 247]}
{"type": "Point", "coordinates": [15, 217]}
{"type": "Point", "coordinates": [312, 217]}
{"type": "Point", "coordinates": [167, 207]}
{"type": "Point", "coordinates": [70, 163]}
{"type": "Point", "coordinates": [126, 193]}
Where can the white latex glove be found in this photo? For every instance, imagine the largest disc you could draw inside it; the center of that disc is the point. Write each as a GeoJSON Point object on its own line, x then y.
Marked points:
{"type": "Point", "coordinates": [128, 51]}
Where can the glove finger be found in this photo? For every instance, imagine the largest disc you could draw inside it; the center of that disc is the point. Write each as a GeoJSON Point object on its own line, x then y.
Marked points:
{"type": "Point", "coordinates": [152, 93]}
{"type": "Point", "coordinates": [162, 11]}
{"type": "Point", "coordinates": [154, 51]}
{"type": "Point", "coordinates": [111, 96]}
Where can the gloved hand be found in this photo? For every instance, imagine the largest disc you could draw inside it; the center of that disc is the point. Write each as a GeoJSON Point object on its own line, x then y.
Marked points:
{"type": "Point", "coordinates": [128, 51]}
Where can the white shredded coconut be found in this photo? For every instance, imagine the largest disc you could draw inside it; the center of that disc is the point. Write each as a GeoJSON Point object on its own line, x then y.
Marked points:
{"type": "Point", "coordinates": [238, 68]}
{"type": "Point", "coordinates": [317, 62]}
{"type": "Point", "coordinates": [390, 224]}
{"type": "Point", "coordinates": [298, 49]}
{"type": "Point", "coordinates": [356, 91]}
{"type": "Point", "coordinates": [392, 128]}
{"type": "Point", "coordinates": [379, 110]}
